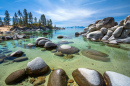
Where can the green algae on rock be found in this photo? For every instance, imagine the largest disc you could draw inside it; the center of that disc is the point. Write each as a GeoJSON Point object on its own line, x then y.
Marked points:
{"type": "Point", "coordinates": [96, 55]}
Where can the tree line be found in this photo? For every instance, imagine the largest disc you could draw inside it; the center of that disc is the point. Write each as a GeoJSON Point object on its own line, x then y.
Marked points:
{"type": "Point", "coordinates": [25, 19]}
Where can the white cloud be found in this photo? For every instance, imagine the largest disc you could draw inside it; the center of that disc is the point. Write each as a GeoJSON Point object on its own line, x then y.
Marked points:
{"type": "Point", "coordinates": [62, 14]}
{"type": "Point", "coordinates": [95, 2]}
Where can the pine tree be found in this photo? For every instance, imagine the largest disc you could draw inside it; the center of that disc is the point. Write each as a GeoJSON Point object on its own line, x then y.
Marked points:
{"type": "Point", "coordinates": [50, 23]}
{"type": "Point", "coordinates": [7, 18]}
{"type": "Point", "coordinates": [43, 20]}
{"type": "Point", "coordinates": [1, 23]}
{"type": "Point", "coordinates": [35, 20]}
{"type": "Point", "coordinates": [25, 19]}
{"type": "Point", "coordinates": [13, 22]}
{"type": "Point", "coordinates": [39, 23]}
{"type": "Point", "coordinates": [30, 18]}
{"type": "Point", "coordinates": [16, 19]}
{"type": "Point", "coordinates": [20, 19]}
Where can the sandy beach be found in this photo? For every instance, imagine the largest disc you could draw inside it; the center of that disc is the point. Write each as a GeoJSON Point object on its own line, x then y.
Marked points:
{"type": "Point", "coordinates": [5, 28]}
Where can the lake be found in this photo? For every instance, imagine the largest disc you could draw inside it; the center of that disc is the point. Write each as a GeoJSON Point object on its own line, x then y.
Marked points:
{"type": "Point", "coordinates": [119, 58]}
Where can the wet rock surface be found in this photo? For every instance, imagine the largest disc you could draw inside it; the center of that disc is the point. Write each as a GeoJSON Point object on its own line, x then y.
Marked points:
{"type": "Point", "coordinates": [37, 67]}
{"type": "Point", "coordinates": [87, 77]}
{"type": "Point", "coordinates": [16, 77]}
{"type": "Point", "coordinates": [57, 78]}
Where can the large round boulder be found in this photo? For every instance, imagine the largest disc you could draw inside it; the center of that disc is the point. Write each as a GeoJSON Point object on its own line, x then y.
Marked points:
{"type": "Point", "coordinates": [125, 40]}
{"type": "Point", "coordinates": [127, 25]}
{"type": "Point", "coordinates": [77, 33]}
{"type": "Point", "coordinates": [107, 36]}
{"type": "Point", "coordinates": [42, 42]}
{"type": "Point", "coordinates": [118, 31]}
{"type": "Point", "coordinates": [50, 45]}
{"type": "Point", "coordinates": [57, 78]}
{"type": "Point", "coordinates": [103, 30]}
{"type": "Point", "coordinates": [127, 19]}
{"type": "Point", "coordinates": [125, 33]}
{"type": "Point", "coordinates": [37, 67]}
{"type": "Point", "coordinates": [88, 77]}
{"type": "Point", "coordinates": [113, 28]}
{"type": "Point", "coordinates": [17, 53]}
{"type": "Point", "coordinates": [106, 22]}
{"type": "Point", "coordinates": [16, 77]}
{"type": "Point", "coordinates": [116, 79]}
{"type": "Point", "coordinates": [96, 35]}
{"type": "Point", "coordinates": [67, 49]}
{"type": "Point", "coordinates": [92, 28]}
{"type": "Point", "coordinates": [121, 23]}
{"type": "Point", "coordinates": [40, 38]}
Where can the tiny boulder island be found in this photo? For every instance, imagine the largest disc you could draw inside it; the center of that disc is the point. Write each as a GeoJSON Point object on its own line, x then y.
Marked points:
{"type": "Point", "coordinates": [58, 78]}
{"type": "Point", "coordinates": [88, 77]}
{"type": "Point", "coordinates": [16, 77]}
{"type": "Point", "coordinates": [37, 67]}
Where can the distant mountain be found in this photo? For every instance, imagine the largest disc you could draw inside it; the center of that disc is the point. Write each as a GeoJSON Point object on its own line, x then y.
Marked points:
{"type": "Point", "coordinates": [76, 27]}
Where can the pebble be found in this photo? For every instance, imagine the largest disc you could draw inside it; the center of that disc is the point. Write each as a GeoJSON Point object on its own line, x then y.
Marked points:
{"type": "Point", "coordinates": [70, 81]}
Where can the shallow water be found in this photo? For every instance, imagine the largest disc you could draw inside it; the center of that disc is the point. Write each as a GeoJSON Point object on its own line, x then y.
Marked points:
{"type": "Point", "coordinates": [119, 58]}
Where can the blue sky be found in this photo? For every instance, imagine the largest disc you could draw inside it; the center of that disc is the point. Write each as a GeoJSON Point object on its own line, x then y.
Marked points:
{"type": "Point", "coordinates": [70, 12]}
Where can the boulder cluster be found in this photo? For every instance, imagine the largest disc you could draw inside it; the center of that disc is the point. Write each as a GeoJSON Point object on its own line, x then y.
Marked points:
{"type": "Point", "coordinates": [107, 30]}
{"type": "Point", "coordinates": [44, 42]}
{"type": "Point", "coordinates": [14, 37]}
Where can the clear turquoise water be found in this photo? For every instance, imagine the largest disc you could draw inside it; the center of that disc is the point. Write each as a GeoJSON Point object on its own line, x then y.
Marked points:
{"type": "Point", "coordinates": [119, 58]}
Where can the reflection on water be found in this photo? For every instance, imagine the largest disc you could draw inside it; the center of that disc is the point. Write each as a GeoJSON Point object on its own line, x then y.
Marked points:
{"type": "Point", "coordinates": [119, 58]}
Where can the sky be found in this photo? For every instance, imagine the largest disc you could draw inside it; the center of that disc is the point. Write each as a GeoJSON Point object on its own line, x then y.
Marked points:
{"type": "Point", "coordinates": [65, 13]}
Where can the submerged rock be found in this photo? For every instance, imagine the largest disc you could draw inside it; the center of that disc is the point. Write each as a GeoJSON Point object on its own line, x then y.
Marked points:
{"type": "Point", "coordinates": [30, 44]}
{"type": "Point", "coordinates": [1, 61]}
{"type": "Point", "coordinates": [96, 55]}
{"type": "Point", "coordinates": [20, 59]}
{"type": "Point", "coordinates": [15, 77]}
{"type": "Point", "coordinates": [17, 53]}
{"type": "Point", "coordinates": [59, 54]}
{"type": "Point", "coordinates": [60, 36]}
{"type": "Point", "coordinates": [37, 67]}
{"type": "Point", "coordinates": [66, 49]}
{"type": "Point", "coordinates": [39, 81]}
{"type": "Point", "coordinates": [57, 78]}
{"type": "Point", "coordinates": [64, 42]}
{"type": "Point", "coordinates": [88, 77]}
{"type": "Point", "coordinates": [116, 79]}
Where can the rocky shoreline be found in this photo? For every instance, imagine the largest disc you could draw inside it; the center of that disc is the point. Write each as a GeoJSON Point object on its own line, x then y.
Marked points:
{"type": "Point", "coordinates": [108, 31]}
